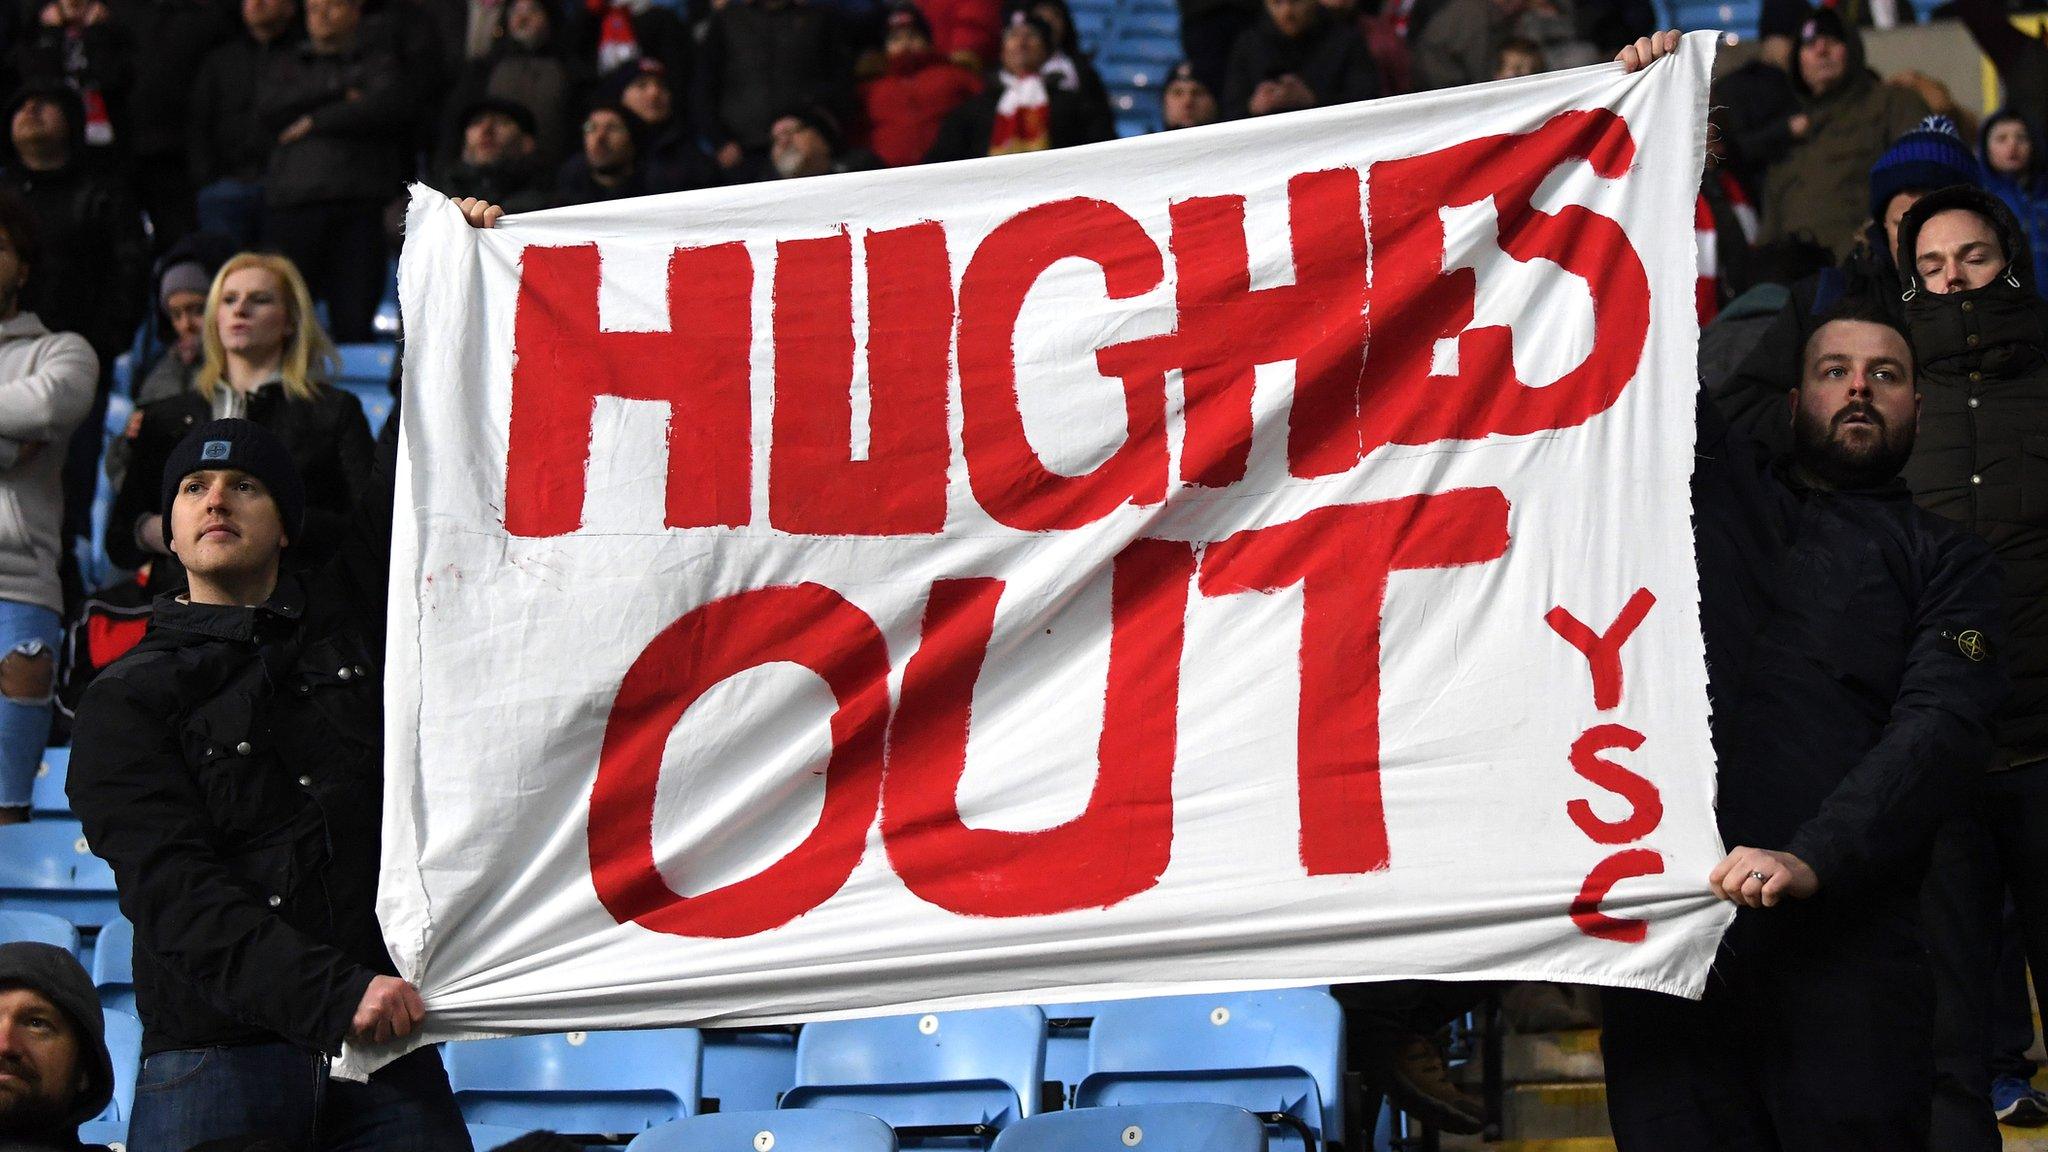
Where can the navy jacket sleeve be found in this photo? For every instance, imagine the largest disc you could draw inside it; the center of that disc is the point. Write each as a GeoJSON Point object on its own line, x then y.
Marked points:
{"type": "Point", "coordinates": [143, 813]}
{"type": "Point", "coordinates": [1938, 737]}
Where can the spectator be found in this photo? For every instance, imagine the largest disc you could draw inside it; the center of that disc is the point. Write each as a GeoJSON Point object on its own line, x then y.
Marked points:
{"type": "Point", "coordinates": [1981, 331]}
{"type": "Point", "coordinates": [608, 36]}
{"type": "Point", "coordinates": [181, 292]}
{"type": "Point", "coordinates": [2021, 60]}
{"type": "Point", "coordinates": [609, 166]}
{"type": "Point", "coordinates": [180, 34]}
{"type": "Point", "coordinates": [1518, 56]}
{"type": "Point", "coordinates": [1022, 113]}
{"type": "Point", "coordinates": [1846, 634]}
{"type": "Point", "coordinates": [248, 859]}
{"type": "Point", "coordinates": [1296, 58]}
{"type": "Point", "coordinates": [498, 160]}
{"type": "Point", "coordinates": [759, 57]}
{"type": "Point", "coordinates": [525, 64]}
{"type": "Point", "coordinates": [967, 32]}
{"type": "Point", "coordinates": [1386, 41]}
{"type": "Point", "coordinates": [1724, 225]}
{"type": "Point", "coordinates": [2013, 169]}
{"type": "Point", "coordinates": [1762, 118]}
{"type": "Point", "coordinates": [916, 91]}
{"type": "Point", "coordinates": [340, 112]}
{"type": "Point", "coordinates": [1741, 326]}
{"type": "Point", "coordinates": [49, 382]}
{"type": "Point", "coordinates": [264, 355]}
{"type": "Point", "coordinates": [1460, 42]}
{"type": "Point", "coordinates": [1930, 157]}
{"type": "Point", "coordinates": [1853, 117]}
{"type": "Point", "coordinates": [1209, 29]}
{"type": "Point", "coordinates": [53, 1044]}
{"type": "Point", "coordinates": [229, 148]}
{"type": "Point", "coordinates": [1185, 102]}
{"type": "Point", "coordinates": [79, 45]}
{"type": "Point", "coordinates": [1069, 67]}
{"type": "Point", "coordinates": [645, 89]}
{"type": "Point", "coordinates": [807, 142]}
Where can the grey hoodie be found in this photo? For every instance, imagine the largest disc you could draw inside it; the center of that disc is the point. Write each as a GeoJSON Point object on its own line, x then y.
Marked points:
{"type": "Point", "coordinates": [46, 388]}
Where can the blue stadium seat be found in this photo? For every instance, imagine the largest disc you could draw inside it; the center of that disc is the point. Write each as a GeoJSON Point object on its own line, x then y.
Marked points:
{"type": "Point", "coordinates": [613, 1083]}
{"type": "Point", "coordinates": [960, 1072]}
{"type": "Point", "coordinates": [1279, 1054]}
{"type": "Point", "coordinates": [113, 965]}
{"type": "Point", "coordinates": [124, 1044]}
{"type": "Point", "coordinates": [46, 866]}
{"type": "Point", "coordinates": [748, 1069]}
{"type": "Point", "coordinates": [38, 928]}
{"type": "Point", "coordinates": [1160, 25]}
{"type": "Point", "coordinates": [485, 1137]}
{"type": "Point", "coordinates": [809, 1130]}
{"type": "Point", "coordinates": [1128, 126]}
{"type": "Point", "coordinates": [1158, 51]}
{"type": "Point", "coordinates": [365, 365]}
{"type": "Point", "coordinates": [1145, 1127]}
{"type": "Point", "coordinates": [49, 799]}
{"type": "Point", "coordinates": [1122, 74]}
{"type": "Point", "coordinates": [1066, 1041]}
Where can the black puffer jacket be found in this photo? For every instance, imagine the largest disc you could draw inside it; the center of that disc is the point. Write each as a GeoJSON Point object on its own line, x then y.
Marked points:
{"type": "Point", "coordinates": [1982, 456]}
{"type": "Point", "coordinates": [360, 106]}
{"type": "Point", "coordinates": [230, 769]}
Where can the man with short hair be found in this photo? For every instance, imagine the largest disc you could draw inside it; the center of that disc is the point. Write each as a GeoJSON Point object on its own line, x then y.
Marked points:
{"type": "Point", "coordinates": [1186, 102]}
{"type": "Point", "coordinates": [669, 146]}
{"type": "Point", "coordinates": [497, 162]}
{"type": "Point", "coordinates": [807, 142]}
{"type": "Point", "coordinates": [609, 167]}
{"type": "Point", "coordinates": [1851, 642]}
{"type": "Point", "coordinates": [55, 1073]}
{"type": "Point", "coordinates": [230, 769]}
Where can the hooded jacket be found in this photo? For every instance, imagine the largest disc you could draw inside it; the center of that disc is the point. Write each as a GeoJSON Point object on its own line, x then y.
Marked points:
{"type": "Point", "coordinates": [48, 387]}
{"type": "Point", "coordinates": [56, 976]}
{"type": "Point", "coordinates": [1821, 185]}
{"type": "Point", "coordinates": [2026, 194]}
{"type": "Point", "coordinates": [910, 99]}
{"type": "Point", "coordinates": [1981, 458]}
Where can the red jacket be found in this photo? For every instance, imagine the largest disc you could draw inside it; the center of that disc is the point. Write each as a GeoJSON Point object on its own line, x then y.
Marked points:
{"type": "Point", "coordinates": [906, 105]}
{"type": "Point", "coordinates": [966, 26]}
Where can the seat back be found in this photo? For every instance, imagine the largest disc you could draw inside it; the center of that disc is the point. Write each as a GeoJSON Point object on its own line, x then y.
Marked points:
{"type": "Point", "coordinates": [124, 1045]}
{"type": "Point", "coordinates": [113, 965]}
{"type": "Point", "coordinates": [48, 798]}
{"type": "Point", "coordinates": [583, 1082]}
{"type": "Point", "coordinates": [748, 1069]}
{"type": "Point", "coordinates": [46, 866]}
{"type": "Point", "coordinates": [805, 1130]}
{"type": "Point", "coordinates": [38, 928]}
{"type": "Point", "coordinates": [1279, 1051]}
{"type": "Point", "coordinates": [976, 1070]}
{"type": "Point", "coordinates": [485, 1137]}
{"type": "Point", "coordinates": [1190, 1127]}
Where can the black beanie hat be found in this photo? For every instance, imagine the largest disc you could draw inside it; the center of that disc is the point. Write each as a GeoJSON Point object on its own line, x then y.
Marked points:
{"type": "Point", "coordinates": [246, 446]}
{"type": "Point", "coordinates": [56, 975]}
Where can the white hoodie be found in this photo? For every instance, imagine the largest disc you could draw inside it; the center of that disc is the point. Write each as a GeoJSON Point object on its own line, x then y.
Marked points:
{"type": "Point", "coordinates": [46, 388]}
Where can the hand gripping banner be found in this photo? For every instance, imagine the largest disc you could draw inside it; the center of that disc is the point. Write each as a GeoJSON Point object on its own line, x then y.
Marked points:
{"type": "Point", "coordinates": [1247, 556]}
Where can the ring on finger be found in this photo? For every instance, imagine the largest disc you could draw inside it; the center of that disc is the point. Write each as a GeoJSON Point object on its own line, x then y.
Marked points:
{"type": "Point", "coordinates": [1763, 877]}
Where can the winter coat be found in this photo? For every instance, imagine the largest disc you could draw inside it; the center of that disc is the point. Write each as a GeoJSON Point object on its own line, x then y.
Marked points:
{"type": "Point", "coordinates": [1822, 184]}
{"type": "Point", "coordinates": [2027, 196]}
{"type": "Point", "coordinates": [1458, 43]}
{"type": "Point", "coordinates": [965, 134]}
{"type": "Point", "coordinates": [46, 389]}
{"type": "Point", "coordinates": [179, 34]}
{"type": "Point", "coordinates": [359, 148]}
{"type": "Point", "coordinates": [906, 104]}
{"type": "Point", "coordinates": [1330, 59]}
{"type": "Point", "coordinates": [511, 185]}
{"type": "Point", "coordinates": [1851, 643]}
{"type": "Point", "coordinates": [1981, 459]}
{"type": "Point", "coordinates": [226, 140]}
{"type": "Point", "coordinates": [329, 439]}
{"type": "Point", "coordinates": [230, 769]}
{"type": "Point", "coordinates": [1758, 102]}
{"type": "Point", "coordinates": [759, 60]}
{"type": "Point", "coordinates": [545, 83]}
{"type": "Point", "coordinates": [575, 185]}
{"type": "Point", "coordinates": [94, 275]}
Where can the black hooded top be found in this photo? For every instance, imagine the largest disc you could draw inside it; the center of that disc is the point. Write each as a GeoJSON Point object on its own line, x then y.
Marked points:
{"type": "Point", "coordinates": [56, 975]}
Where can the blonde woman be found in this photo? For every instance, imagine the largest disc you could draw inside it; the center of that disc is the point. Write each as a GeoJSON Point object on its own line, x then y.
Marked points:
{"type": "Point", "coordinates": [264, 358]}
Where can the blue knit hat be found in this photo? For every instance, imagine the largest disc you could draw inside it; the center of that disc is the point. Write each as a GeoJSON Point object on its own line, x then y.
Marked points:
{"type": "Point", "coordinates": [1929, 157]}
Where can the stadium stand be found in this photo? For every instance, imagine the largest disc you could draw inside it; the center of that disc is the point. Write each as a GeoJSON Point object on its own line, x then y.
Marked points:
{"type": "Point", "coordinates": [807, 1130]}
{"type": "Point", "coordinates": [48, 798]}
{"type": "Point", "coordinates": [612, 1083]}
{"type": "Point", "coordinates": [748, 1069]}
{"type": "Point", "coordinates": [38, 928]}
{"type": "Point", "coordinates": [1279, 1054]}
{"type": "Point", "coordinates": [113, 965]}
{"type": "Point", "coordinates": [124, 1044]}
{"type": "Point", "coordinates": [931, 1075]}
{"type": "Point", "coordinates": [46, 866]}
{"type": "Point", "coordinates": [1147, 1127]}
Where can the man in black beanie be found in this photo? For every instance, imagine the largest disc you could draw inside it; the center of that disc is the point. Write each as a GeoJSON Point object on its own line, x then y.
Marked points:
{"type": "Point", "coordinates": [55, 1073]}
{"type": "Point", "coordinates": [230, 769]}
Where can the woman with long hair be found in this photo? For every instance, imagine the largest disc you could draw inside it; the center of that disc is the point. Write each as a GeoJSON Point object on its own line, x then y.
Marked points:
{"type": "Point", "coordinates": [265, 358]}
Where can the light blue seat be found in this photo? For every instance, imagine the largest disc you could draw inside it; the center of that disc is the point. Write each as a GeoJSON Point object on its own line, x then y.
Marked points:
{"type": "Point", "coordinates": [38, 928]}
{"type": "Point", "coordinates": [748, 1069]}
{"type": "Point", "coordinates": [1279, 1054]}
{"type": "Point", "coordinates": [803, 1130]}
{"type": "Point", "coordinates": [1144, 1127]}
{"type": "Point", "coordinates": [485, 1137]}
{"type": "Point", "coordinates": [46, 866]}
{"type": "Point", "coordinates": [612, 1083]}
{"type": "Point", "coordinates": [928, 1074]}
{"type": "Point", "coordinates": [113, 965]}
{"type": "Point", "coordinates": [124, 1045]}
{"type": "Point", "coordinates": [1066, 1041]}
{"type": "Point", "coordinates": [48, 799]}
{"type": "Point", "coordinates": [365, 365]}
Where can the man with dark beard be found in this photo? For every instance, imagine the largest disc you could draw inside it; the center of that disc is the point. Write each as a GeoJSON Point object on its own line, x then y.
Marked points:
{"type": "Point", "coordinates": [1850, 639]}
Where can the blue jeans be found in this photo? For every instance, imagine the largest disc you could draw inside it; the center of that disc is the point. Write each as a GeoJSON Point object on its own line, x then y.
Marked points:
{"type": "Point", "coordinates": [25, 629]}
{"type": "Point", "coordinates": [187, 1096]}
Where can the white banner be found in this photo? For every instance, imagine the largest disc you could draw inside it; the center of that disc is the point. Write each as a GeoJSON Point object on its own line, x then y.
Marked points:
{"type": "Point", "coordinates": [1248, 556]}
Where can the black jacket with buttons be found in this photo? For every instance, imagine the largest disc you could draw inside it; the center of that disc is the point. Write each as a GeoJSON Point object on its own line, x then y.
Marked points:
{"type": "Point", "coordinates": [230, 769]}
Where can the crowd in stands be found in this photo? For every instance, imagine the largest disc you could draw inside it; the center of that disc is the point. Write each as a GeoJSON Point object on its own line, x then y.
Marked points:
{"type": "Point", "coordinates": [231, 179]}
